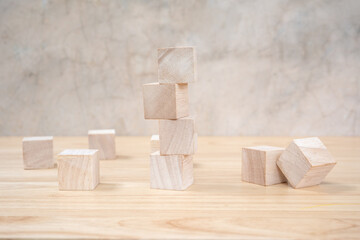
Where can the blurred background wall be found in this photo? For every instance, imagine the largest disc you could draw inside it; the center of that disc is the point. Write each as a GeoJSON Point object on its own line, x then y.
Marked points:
{"type": "Point", "coordinates": [264, 67]}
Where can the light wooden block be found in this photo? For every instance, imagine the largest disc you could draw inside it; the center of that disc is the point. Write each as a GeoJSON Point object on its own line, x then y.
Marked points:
{"type": "Point", "coordinates": [104, 141]}
{"type": "Point", "coordinates": [38, 152]}
{"type": "Point", "coordinates": [177, 136]}
{"type": "Point", "coordinates": [177, 65]}
{"type": "Point", "coordinates": [172, 172]}
{"type": "Point", "coordinates": [259, 165]}
{"type": "Point", "coordinates": [154, 143]}
{"type": "Point", "coordinates": [78, 169]}
{"type": "Point", "coordinates": [306, 162]}
{"type": "Point", "coordinates": [169, 101]}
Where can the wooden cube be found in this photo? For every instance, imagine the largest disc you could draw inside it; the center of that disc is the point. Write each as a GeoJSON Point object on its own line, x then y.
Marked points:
{"type": "Point", "coordinates": [259, 165]}
{"type": "Point", "coordinates": [154, 143]}
{"type": "Point", "coordinates": [169, 101]}
{"type": "Point", "coordinates": [177, 136]}
{"type": "Point", "coordinates": [172, 172]}
{"type": "Point", "coordinates": [38, 152]}
{"type": "Point", "coordinates": [306, 162]}
{"type": "Point", "coordinates": [104, 141]}
{"type": "Point", "coordinates": [176, 65]}
{"type": "Point", "coordinates": [78, 169]}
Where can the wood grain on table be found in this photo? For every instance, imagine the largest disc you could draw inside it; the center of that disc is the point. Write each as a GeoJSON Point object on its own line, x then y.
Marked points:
{"type": "Point", "coordinates": [218, 204]}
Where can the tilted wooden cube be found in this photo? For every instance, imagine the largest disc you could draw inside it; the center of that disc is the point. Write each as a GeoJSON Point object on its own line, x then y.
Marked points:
{"type": "Point", "coordinates": [168, 101]}
{"type": "Point", "coordinates": [104, 141]}
{"type": "Point", "coordinates": [78, 169]}
{"type": "Point", "coordinates": [154, 143]}
{"type": "Point", "coordinates": [259, 165]}
{"type": "Point", "coordinates": [38, 152]}
{"type": "Point", "coordinates": [306, 162]}
{"type": "Point", "coordinates": [172, 172]}
{"type": "Point", "coordinates": [177, 136]}
{"type": "Point", "coordinates": [177, 65]}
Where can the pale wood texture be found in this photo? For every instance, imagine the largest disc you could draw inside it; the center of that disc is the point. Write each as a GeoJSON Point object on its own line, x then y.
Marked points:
{"type": "Point", "coordinates": [177, 136]}
{"type": "Point", "coordinates": [259, 165]}
{"type": "Point", "coordinates": [78, 169]}
{"type": "Point", "coordinates": [165, 101]}
{"type": "Point", "coordinates": [171, 172]}
{"type": "Point", "coordinates": [38, 152]}
{"type": "Point", "coordinates": [177, 65]}
{"type": "Point", "coordinates": [306, 162]}
{"type": "Point", "coordinates": [154, 143]}
{"type": "Point", "coordinates": [104, 141]}
{"type": "Point", "coordinates": [217, 206]}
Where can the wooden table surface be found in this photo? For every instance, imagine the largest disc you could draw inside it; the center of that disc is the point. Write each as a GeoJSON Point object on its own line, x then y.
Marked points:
{"type": "Point", "coordinates": [218, 205]}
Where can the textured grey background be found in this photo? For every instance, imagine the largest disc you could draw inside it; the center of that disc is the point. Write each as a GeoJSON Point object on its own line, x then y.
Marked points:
{"type": "Point", "coordinates": [264, 67]}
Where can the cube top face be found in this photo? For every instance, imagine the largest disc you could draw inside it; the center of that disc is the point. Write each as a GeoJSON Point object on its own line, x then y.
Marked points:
{"type": "Point", "coordinates": [171, 172]}
{"type": "Point", "coordinates": [314, 151]}
{"type": "Point", "coordinates": [177, 136]}
{"type": "Point", "coordinates": [176, 65]}
{"type": "Point", "coordinates": [102, 131]}
{"type": "Point", "coordinates": [265, 148]}
{"type": "Point", "coordinates": [42, 138]}
{"type": "Point", "coordinates": [38, 152]}
{"type": "Point", "coordinates": [169, 101]}
{"type": "Point", "coordinates": [78, 152]}
{"type": "Point", "coordinates": [78, 169]}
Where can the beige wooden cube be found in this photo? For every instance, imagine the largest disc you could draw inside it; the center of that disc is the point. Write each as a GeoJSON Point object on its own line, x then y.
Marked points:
{"type": "Point", "coordinates": [177, 136]}
{"type": "Point", "coordinates": [169, 101]}
{"type": "Point", "coordinates": [177, 65]}
{"type": "Point", "coordinates": [306, 162]}
{"type": "Point", "coordinates": [78, 169]}
{"type": "Point", "coordinates": [154, 143]}
{"type": "Point", "coordinates": [104, 141]}
{"type": "Point", "coordinates": [172, 172]}
{"type": "Point", "coordinates": [259, 165]}
{"type": "Point", "coordinates": [38, 152]}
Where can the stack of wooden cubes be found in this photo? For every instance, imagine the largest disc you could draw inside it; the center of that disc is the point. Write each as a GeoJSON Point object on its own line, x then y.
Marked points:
{"type": "Point", "coordinates": [171, 167]}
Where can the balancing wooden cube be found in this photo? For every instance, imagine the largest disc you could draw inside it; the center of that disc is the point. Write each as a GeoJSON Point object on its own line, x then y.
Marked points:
{"type": "Point", "coordinates": [306, 162]}
{"type": "Point", "coordinates": [176, 65]}
{"type": "Point", "coordinates": [259, 165]}
{"type": "Point", "coordinates": [104, 141]}
{"type": "Point", "coordinates": [38, 152]}
{"type": "Point", "coordinates": [177, 136]}
{"type": "Point", "coordinates": [172, 172]}
{"type": "Point", "coordinates": [78, 169]}
{"type": "Point", "coordinates": [154, 143]}
{"type": "Point", "coordinates": [169, 101]}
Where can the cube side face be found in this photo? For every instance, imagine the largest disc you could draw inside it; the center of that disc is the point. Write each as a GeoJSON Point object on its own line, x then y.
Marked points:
{"type": "Point", "coordinates": [78, 172]}
{"type": "Point", "coordinates": [168, 172]}
{"type": "Point", "coordinates": [159, 101]}
{"type": "Point", "coordinates": [105, 143]}
{"type": "Point", "coordinates": [176, 65]}
{"type": "Point", "coordinates": [253, 166]}
{"type": "Point", "coordinates": [188, 171]}
{"type": "Point", "coordinates": [273, 174]}
{"type": "Point", "coordinates": [293, 164]}
{"type": "Point", "coordinates": [154, 144]}
{"type": "Point", "coordinates": [315, 175]}
{"type": "Point", "coordinates": [182, 100]}
{"type": "Point", "coordinates": [177, 136]}
{"type": "Point", "coordinates": [38, 154]}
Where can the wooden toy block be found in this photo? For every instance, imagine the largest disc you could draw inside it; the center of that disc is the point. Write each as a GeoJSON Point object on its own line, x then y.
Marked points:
{"type": "Point", "coordinates": [104, 141]}
{"type": "Point", "coordinates": [172, 172]}
{"type": "Point", "coordinates": [169, 101]}
{"type": "Point", "coordinates": [38, 152]}
{"type": "Point", "coordinates": [177, 65]}
{"type": "Point", "coordinates": [306, 162]}
{"type": "Point", "coordinates": [177, 136]}
{"type": "Point", "coordinates": [154, 143]}
{"type": "Point", "coordinates": [259, 165]}
{"type": "Point", "coordinates": [78, 169]}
